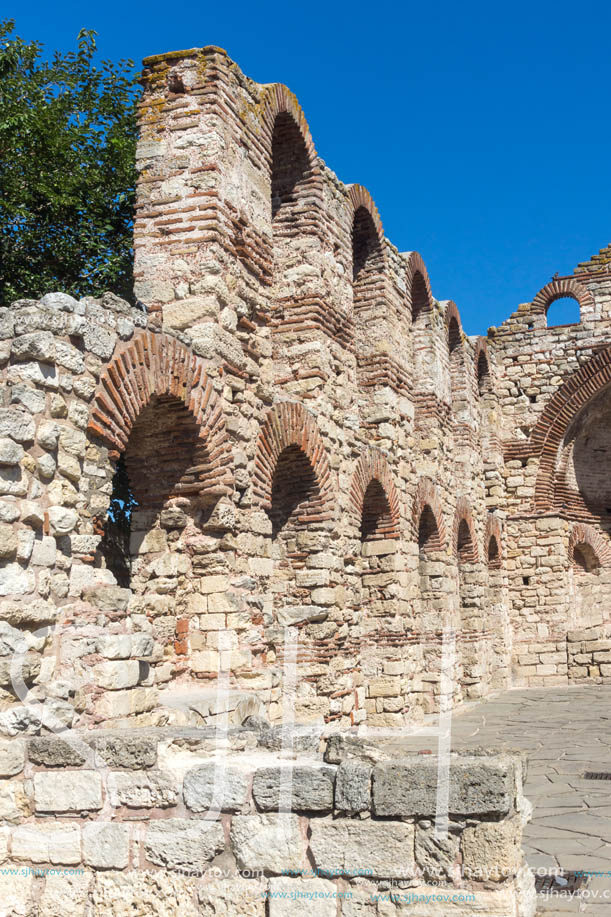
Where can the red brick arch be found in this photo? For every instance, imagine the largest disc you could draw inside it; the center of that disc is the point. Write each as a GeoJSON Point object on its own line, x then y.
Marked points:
{"type": "Point", "coordinates": [556, 289]}
{"type": "Point", "coordinates": [415, 266]}
{"type": "Point", "coordinates": [558, 416]}
{"type": "Point", "coordinates": [359, 196]}
{"type": "Point", "coordinates": [278, 100]}
{"type": "Point", "coordinates": [586, 534]}
{"type": "Point", "coordinates": [427, 495]}
{"type": "Point", "coordinates": [372, 465]}
{"type": "Point", "coordinates": [157, 364]}
{"type": "Point", "coordinates": [494, 530]}
{"type": "Point", "coordinates": [289, 424]}
{"type": "Point", "coordinates": [451, 311]}
{"type": "Point", "coordinates": [464, 513]}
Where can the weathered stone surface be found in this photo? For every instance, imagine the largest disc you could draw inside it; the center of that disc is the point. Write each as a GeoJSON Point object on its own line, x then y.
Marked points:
{"type": "Point", "coordinates": [65, 894]}
{"type": "Point", "coordinates": [492, 850]}
{"type": "Point", "coordinates": [306, 789]}
{"type": "Point", "coordinates": [226, 786]}
{"type": "Point", "coordinates": [302, 897]}
{"type": "Point", "coordinates": [175, 842]}
{"type": "Point", "coordinates": [353, 787]}
{"type": "Point", "coordinates": [143, 789]}
{"type": "Point", "coordinates": [48, 843]}
{"type": "Point", "coordinates": [14, 803]}
{"type": "Point", "coordinates": [235, 897]}
{"type": "Point", "coordinates": [126, 751]}
{"type": "Point", "coordinates": [372, 848]}
{"type": "Point", "coordinates": [11, 452]}
{"type": "Point", "coordinates": [52, 751]}
{"type": "Point", "coordinates": [477, 786]}
{"type": "Point", "coordinates": [67, 791]}
{"type": "Point", "coordinates": [144, 894]}
{"type": "Point", "coordinates": [425, 902]}
{"type": "Point", "coordinates": [272, 842]}
{"type": "Point", "coordinates": [15, 891]}
{"type": "Point", "coordinates": [106, 846]}
{"type": "Point", "coordinates": [12, 757]}
{"type": "Point", "coordinates": [436, 856]}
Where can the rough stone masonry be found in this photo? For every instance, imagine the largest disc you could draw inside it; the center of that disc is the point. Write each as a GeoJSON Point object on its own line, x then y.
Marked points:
{"type": "Point", "coordinates": [327, 473]}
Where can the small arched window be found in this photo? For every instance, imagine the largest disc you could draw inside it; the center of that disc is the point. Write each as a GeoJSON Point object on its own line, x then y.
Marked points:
{"type": "Point", "coordinates": [291, 170]}
{"type": "Point", "coordinates": [376, 519]}
{"type": "Point", "coordinates": [420, 299]}
{"type": "Point", "coordinates": [367, 260]}
{"type": "Point", "coordinates": [563, 311]}
{"type": "Point", "coordinates": [585, 559]}
{"type": "Point", "coordinates": [428, 531]}
{"type": "Point", "coordinates": [484, 382]}
{"type": "Point", "coordinates": [494, 557]}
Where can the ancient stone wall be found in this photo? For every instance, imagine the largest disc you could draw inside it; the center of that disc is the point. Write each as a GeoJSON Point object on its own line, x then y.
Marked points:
{"type": "Point", "coordinates": [325, 470]}
{"type": "Point", "coordinates": [174, 822]}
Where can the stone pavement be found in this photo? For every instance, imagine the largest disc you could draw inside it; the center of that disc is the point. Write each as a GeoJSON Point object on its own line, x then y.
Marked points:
{"type": "Point", "coordinates": [564, 732]}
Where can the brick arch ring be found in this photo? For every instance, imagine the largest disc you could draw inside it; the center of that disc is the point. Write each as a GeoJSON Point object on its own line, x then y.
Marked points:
{"type": "Point", "coordinates": [289, 424]}
{"type": "Point", "coordinates": [557, 417]}
{"type": "Point", "coordinates": [557, 289]}
{"type": "Point", "coordinates": [372, 465]}
{"type": "Point", "coordinates": [278, 99]}
{"type": "Point", "coordinates": [157, 364]}
{"type": "Point", "coordinates": [359, 196]}
{"type": "Point", "coordinates": [585, 534]}
{"type": "Point", "coordinates": [464, 513]}
{"type": "Point", "coordinates": [427, 495]}
{"type": "Point", "coordinates": [415, 265]}
{"type": "Point", "coordinates": [451, 311]}
{"type": "Point", "coordinates": [494, 530]}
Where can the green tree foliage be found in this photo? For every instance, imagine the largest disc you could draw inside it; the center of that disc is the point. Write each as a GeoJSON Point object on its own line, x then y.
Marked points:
{"type": "Point", "coordinates": [67, 170]}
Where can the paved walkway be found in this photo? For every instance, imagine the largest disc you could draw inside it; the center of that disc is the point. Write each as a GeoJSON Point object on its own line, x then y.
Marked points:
{"type": "Point", "coordinates": [565, 732]}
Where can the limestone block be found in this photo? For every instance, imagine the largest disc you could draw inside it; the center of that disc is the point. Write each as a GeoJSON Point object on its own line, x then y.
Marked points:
{"type": "Point", "coordinates": [38, 345]}
{"type": "Point", "coordinates": [436, 856]}
{"type": "Point", "coordinates": [11, 452]}
{"type": "Point", "coordinates": [226, 786]}
{"type": "Point", "coordinates": [145, 894]}
{"type": "Point", "coordinates": [106, 846]}
{"type": "Point", "coordinates": [143, 789]}
{"type": "Point", "coordinates": [235, 897]}
{"type": "Point", "coordinates": [15, 891]}
{"type": "Point", "coordinates": [298, 614]}
{"type": "Point", "coordinates": [431, 901]}
{"type": "Point", "coordinates": [12, 757]}
{"type": "Point", "coordinates": [16, 424]}
{"type": "Point", "coordinates": [272, 842]}
{"type": "Point", "coordinates": [8, 540]}
{"type": "Point", "coordinates": [67, 791]}
{"type": "Point", "coordinates": [48, 843]}
{"type": "Point", "coordinates": [44, 551]}
{"type": "Point", "coordinates": [492, 850]}
{"type": "Point", "coordinates": [305, 788]}
{"type": "Point", "coordinates": [16, 581]}
{"type": "Point", "coordinates": [302, 897]}
{"type": "Point", "coordinates": [117, 704]}
{"type": "Point", "coordinates": [352, 847]}
{"type": "Point", "coordinates": [13, 801]}
{"type": "Point", "coordinates": [65, 894]}
{"type": "Point", "coordinates": [62, 519]}
{"type": "Point", "coordinates": [117, 675]}
{"type": "Point", "coordinates": [410, 788]}
{"type": "Point", "coordinates": [176, 842]}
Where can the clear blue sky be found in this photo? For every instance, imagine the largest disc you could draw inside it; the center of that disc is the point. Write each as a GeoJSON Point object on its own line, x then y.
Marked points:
{"type": "Point", "coordinates": [482, 130]}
